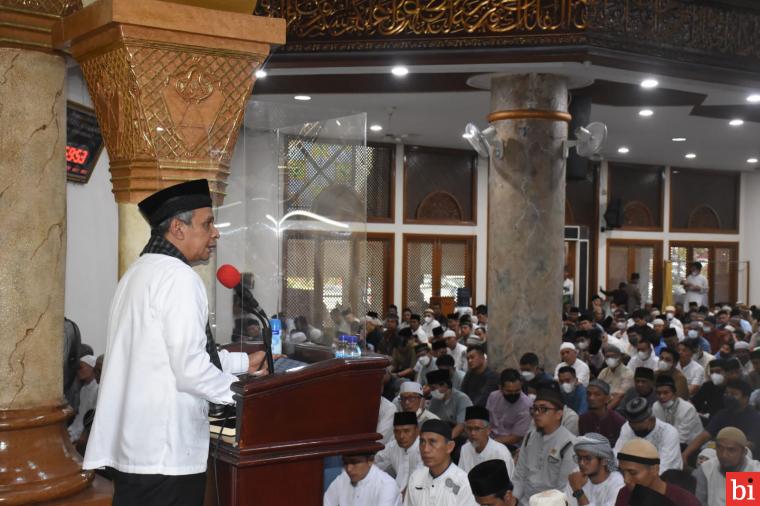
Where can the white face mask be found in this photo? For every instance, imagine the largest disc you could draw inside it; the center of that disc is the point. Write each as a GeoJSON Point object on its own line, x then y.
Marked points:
{"type": "Point", "coordinates": [435, 394]}
{"type": "Point", "coordinates": [424, 361]}
{"type": "Point", "coordinates": [582, 345]}
{"type": "Point", "coordinates": [532, 397]}
{"type": "Point", "coordinates": [669, 316]}
{"type": "Point", "coordinates": [663, 366]}
{"type": "Point", "coordinates": [612, 362]}
{"type": "Point", "coordinates": [527, 375]}
{"type": "Point", "coordinates": [428, 319]}
{"type": "Point", "coordinates": [668, 404]}
{"type": "Point", "coordinates": [567, 387]}
{"type": "Point", "coordinates": [621, 325]}
{"type": "Point", "coordinates": [693, 333]}
{"type": "Point", "coordinates": [643, 355]}
{"type": "Point", "coordinates": [716, 378]}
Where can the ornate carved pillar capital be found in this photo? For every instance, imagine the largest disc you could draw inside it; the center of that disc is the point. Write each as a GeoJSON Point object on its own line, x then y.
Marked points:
{"type": "Point", "coordinates": [169, 83]}
{"type": "Point", "coordinates": [29, 24]}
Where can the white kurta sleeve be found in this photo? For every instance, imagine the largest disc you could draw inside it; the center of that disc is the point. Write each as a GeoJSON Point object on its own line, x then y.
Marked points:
{"type": "Point", "coordinates": [670, 451]}
{"type": "Point", "coordinates": [233, 362]}
{"type": "Point", "coordinates": [332, 496]}
{"type": "Point", "coordinates": [183, 316]}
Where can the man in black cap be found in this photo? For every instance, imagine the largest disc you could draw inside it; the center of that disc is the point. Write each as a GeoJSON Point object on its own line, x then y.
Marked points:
{"type": "Point", "coordinates": [440, 482]}
{"type": "Point", "coordinates": [448, 404]}
{"type": "Point", "coordinates": [404, 357]}
{"type": "Point", "coordinates": [491, 485]}
{"type": "Point", "coordinates": [546, 456]}
{"type": "Point", "coordinates": [480, 447]}
{"type": "Point", "coordinates": [162, 367]}
{"type": "Point", "coordinates": [401, 457]}
{"type": "Point", "coordinates": [643, 386]}
{"type": "Point", "coordinates": [642, 424]}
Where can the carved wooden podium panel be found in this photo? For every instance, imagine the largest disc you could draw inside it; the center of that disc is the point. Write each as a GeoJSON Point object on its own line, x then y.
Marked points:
{"type": "Point", "coordinates": [288, 422]}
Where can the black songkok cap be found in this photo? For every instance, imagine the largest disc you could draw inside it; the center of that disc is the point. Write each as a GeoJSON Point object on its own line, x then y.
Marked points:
{"type": "Point", "coordinates": [489, 478]}
{"type": "Point", "coordinates": [421, 347]}
{"type": "Point", "coordinates": [550, 395]}
{"type": "Point", "coordinates": [437, 426]}
{"type": "Point", "coordinates": [438, 332]}
{"type": "Point", "coordinates": [645, 496]}
{"type": "Point", "coordinates": [732, 364]}
{"type": "Point", "coordinates": [405, 332]}
{"type": "Point", "coordinates": [644, 373]}
{"type": "Point", "coordinates": [665, 380]}
{"type": "Point", "coordinates": [439, 345]}
{"type": "Point", "coordinates": [669, 332]}
{"type": "Point", "coordinates": [174, 200]}
{"type": "Point", "coordinates": [477, 413]}
{"type": "Point", "coordinates": [637, 410]}
{"type": "Point", "coordinates": [404, 418]}
{"type": "Point", "coordinates": [438, 377]}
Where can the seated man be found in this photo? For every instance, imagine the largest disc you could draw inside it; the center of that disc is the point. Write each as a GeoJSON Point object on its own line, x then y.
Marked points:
{"type": "Point", "coordinates": [573, 393]}
{"type": "Point", "coordinates": [616, 375]}
{"type": "Point", "coordinates": [480, 447]}
{"type": "Point", "coordinates": [531, 372]}
{"type": "Point", "coordinates": [639, 463]}
{"type": "Point", "coordinates": [491, 485]}
{"type": "Point", "coordinates": [737, 413]}
{"type": "Point", "coordinates": [480, 379]}
{"type": "Point", "coordinates": [411, 400]}
{"type": "Point", "coordinates": [597, 480]}
{"type": "Point", "coordinates": [425, 363]}
{"type": "Point", "coordinates": [401, 457]}
{"type": "Point", "coordinates": [404, 355]}
{"type": "Point", "coordinates": [643, 386]}
{"type": "Point", "coordinates": [677, 412]}
{"type": "Point", "coordinates": [546, 456]}
{"type": "Point", "coordinates": [447, 404]}
{"type": "Point", "coordinates": [709, 398]}
{"type": "Point", "coordinates": [446, 363]}
{"type": "Point", "coordinates": [457, 350]}
{"type": "Point", "coordinates": [667, 366]}
{"type": "Point", "coordinates": [361, 483]}
{"type": "Point", "coordinates": [509, 408]}
{"type": "Point", "coordinates": [642, 424]}
{"type": "Point", "coordinates": [600, 418]}
{"type": "Point", "coordinates": [440, 482]}
{"type": "Point", "coordinates": [569, 356]}
{"type": "Point", "coordinates": [88, 395]}
{"type": "Point", "coordinates": [695, 373]}
{"type": "Point", "coordinates": [732, 457]}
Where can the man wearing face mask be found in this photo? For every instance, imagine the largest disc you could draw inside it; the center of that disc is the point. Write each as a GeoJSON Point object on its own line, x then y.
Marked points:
{"type": "Point", "coordinates": [570, 358]}
{"type": "Point", "coordinates": [642, 424]}
{"type": "Point", "coordinates": [616, 375]}
{"type": "Point", "coordinates": [600, 418]}
{"type": "Point", "coordinates": [731, 449]}
{"type": "Point", "coordinates": [457, 350]}
{"type": "Point", "coordinates": [573, 393]}
{"type": "Point", "coordinates": [695, 373]}
{"type": "Point", "coordinates": [645, 356]}
{"type": "Point", "coordinates": [429, 322]}
{"type": "Point", "coordinates": [411, 400]}
{"type": "Point", "coordinates": [643, 386]}
{"type": "Point", "coordinates": [667, 367]}
{"type": "Point", "coordinates": [447, 404]}
{"type": "Point", "coordinates": [709, 398]}
{"type": "Point", "coordinates": [510, 410]}
{"type": "Point", "coordinates": [425, 363]}
{"type": "Point", "coordinates": [677, 412]}
{"type": "Point", "coordinates": [696, 286]}
{"type": "Point", "coordinates": [736, 413]}
{"type": "Point", "coordinates": [669, 339]}
{"type": "Point", "coordinates": [532, 374]}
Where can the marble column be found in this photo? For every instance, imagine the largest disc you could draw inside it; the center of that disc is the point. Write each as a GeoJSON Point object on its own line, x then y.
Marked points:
{"type": "Point", "coordinates": [526, 217]}
{"type": "Point", "coordinates": [37, 461]}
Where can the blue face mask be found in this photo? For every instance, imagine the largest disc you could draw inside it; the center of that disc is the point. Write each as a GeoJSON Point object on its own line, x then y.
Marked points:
{"type": "Point", "coordinates": [693, 333]}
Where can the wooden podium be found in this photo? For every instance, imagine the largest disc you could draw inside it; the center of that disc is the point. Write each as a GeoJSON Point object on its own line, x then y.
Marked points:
{"type": "Point", "coordinates": [287, 423]}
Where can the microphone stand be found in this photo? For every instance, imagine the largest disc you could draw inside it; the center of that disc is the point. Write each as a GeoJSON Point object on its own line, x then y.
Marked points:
{"type": "Point", "coordinates": [249, 305]}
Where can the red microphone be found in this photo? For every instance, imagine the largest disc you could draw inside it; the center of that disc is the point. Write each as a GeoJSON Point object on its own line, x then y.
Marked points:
{"type": "Point", "coordinates": [228, 276]}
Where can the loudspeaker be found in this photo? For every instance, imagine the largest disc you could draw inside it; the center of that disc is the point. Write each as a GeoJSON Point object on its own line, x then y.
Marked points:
{"type": "Point", "coordinates": [613, 216]}
{"type": "Point", "coordinates": [580, 110]}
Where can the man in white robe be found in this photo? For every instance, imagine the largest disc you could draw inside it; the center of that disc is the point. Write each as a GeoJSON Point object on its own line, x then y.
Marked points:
{"type": "Point", "coordinates": [479, 446]}
{"type": "Point", "coordinates": [642, 424]}
{"type": "Point", "coordinates": [88, 395]}
{"type": "Point", "coordinates": [696, 287]}
{"type": "Point", "coordinates": [597, 481]}
{"type": "Point", "coordinates": [362, 483]}
{"type": "Point", "coordinates": [401, 456]}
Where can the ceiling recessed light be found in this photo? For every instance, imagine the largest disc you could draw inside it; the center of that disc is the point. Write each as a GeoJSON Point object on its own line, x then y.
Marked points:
{"type": "Point", "coordinates": [375, 128]}
{"type": "Point", "coordinates": [261, 74]}
{"type": "Point", "coordinates": [736, 122]}
{"type": "Point", "coordinates": [751, 160]}
{"type": "Point", "coordinates": [302, 98]}
{"type": "Point", "coordinates": [649, 83]}
{"type": "Point", "coordinates": [623, 150]}
{"type": "Point", "coordinates": [399, 71]}
{"type": "Point", "coordinates": [690, 156]}
{"type": "Point", "coordinates": [646, 113]}
{"type": "Point", "coordinates": [754, 98]}
{"type": "Point", "coordinates": [678, 139]}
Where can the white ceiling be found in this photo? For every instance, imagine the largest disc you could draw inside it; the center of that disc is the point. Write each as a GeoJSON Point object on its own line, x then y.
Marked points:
{"type": "Point", "coordinates": [438, 119]}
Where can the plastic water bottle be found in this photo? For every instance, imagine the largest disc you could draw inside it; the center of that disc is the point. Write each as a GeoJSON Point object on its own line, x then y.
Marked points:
{"type": "Point", "coordinates": [276, 326]}
{"type": "Point", "coordinates": [354, 350]}
{"type": "Point", "coordinates": [340, 347]}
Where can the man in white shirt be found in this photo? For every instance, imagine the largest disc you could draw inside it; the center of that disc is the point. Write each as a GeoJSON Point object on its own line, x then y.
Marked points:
{"type": "Point", "coordinates": [417, 330]}
{"type": "Point", "coordinates": [88, 395]}
{"type": "Point", "coordinates": [570, 358]}
{"type": "Point", "coordinates": [642, 424]}
{"type": "Point", "coordinates": [491, 484]}
{"type": "Point", "coordinates": [731, 456]}
{"type": "Point", "coordinates": [479, 446]}
{"type": "Point", "coordinates": [597, 481]}
{"type": "Point", "coordinates": [677, 412]}
{"type": "Point", "coordinates": [694, 373]}
{"type": "Point", "coordinates": [429, 322]}
{"type": "Point", "coordinates": [440, 482]}
{"type": "Point", "coordinates": [645, 356]}
{"type": "Point", "coordinates": [362, 483]}
{"type": "Point", "coordinates": [696, 286]}
{"type": "Point", "coordinates": [457, 350]}
{"type": "Point", "coordinates": [161, 364]}
{"type": "Point", "coordinates": [401, 456]}
{"type": "Point", "coordinates": [385, 420]}
{"type": "Point", "coordinates": [411, 400]}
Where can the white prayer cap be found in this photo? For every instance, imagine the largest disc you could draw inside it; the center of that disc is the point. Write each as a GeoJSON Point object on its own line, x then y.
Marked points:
{"type": "Point", "coordinates": [741, 345]}
{"type": "Point", "coordinates": [670, 309]}
{"type": "Point", "coordinates": [567, 346]}
{"type": "Point", "coordinates": [89, 360]}
{"type": "Point", "coordinates": [729, 328]}
{"type": "Point", "coordinates": [726, 308]}
{"type": "Point", "coordinates": [548, 498]}
{"type": "Point", "coordinates": [658, 322]}
{"type": "Point", "coordinates": [449, 333]}
{"type": "Point", "coordinates": [411, 387]}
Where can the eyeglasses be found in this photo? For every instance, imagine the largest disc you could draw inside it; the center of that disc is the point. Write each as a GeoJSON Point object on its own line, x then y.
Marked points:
{"type": "Point", "coordinates": [410, 398]}
{"type": "Point", "coordinates": [582, 458]}
{"type": "Point", "coordinates": [541, 409]}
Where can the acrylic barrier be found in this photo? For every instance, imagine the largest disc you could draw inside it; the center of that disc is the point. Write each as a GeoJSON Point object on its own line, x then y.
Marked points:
{"type": "Point", "coordinates": [294, 223]}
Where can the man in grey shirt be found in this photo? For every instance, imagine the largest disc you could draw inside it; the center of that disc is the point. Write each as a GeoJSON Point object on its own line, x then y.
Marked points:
{"type": "Point", "coordinates": [448, 404]}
